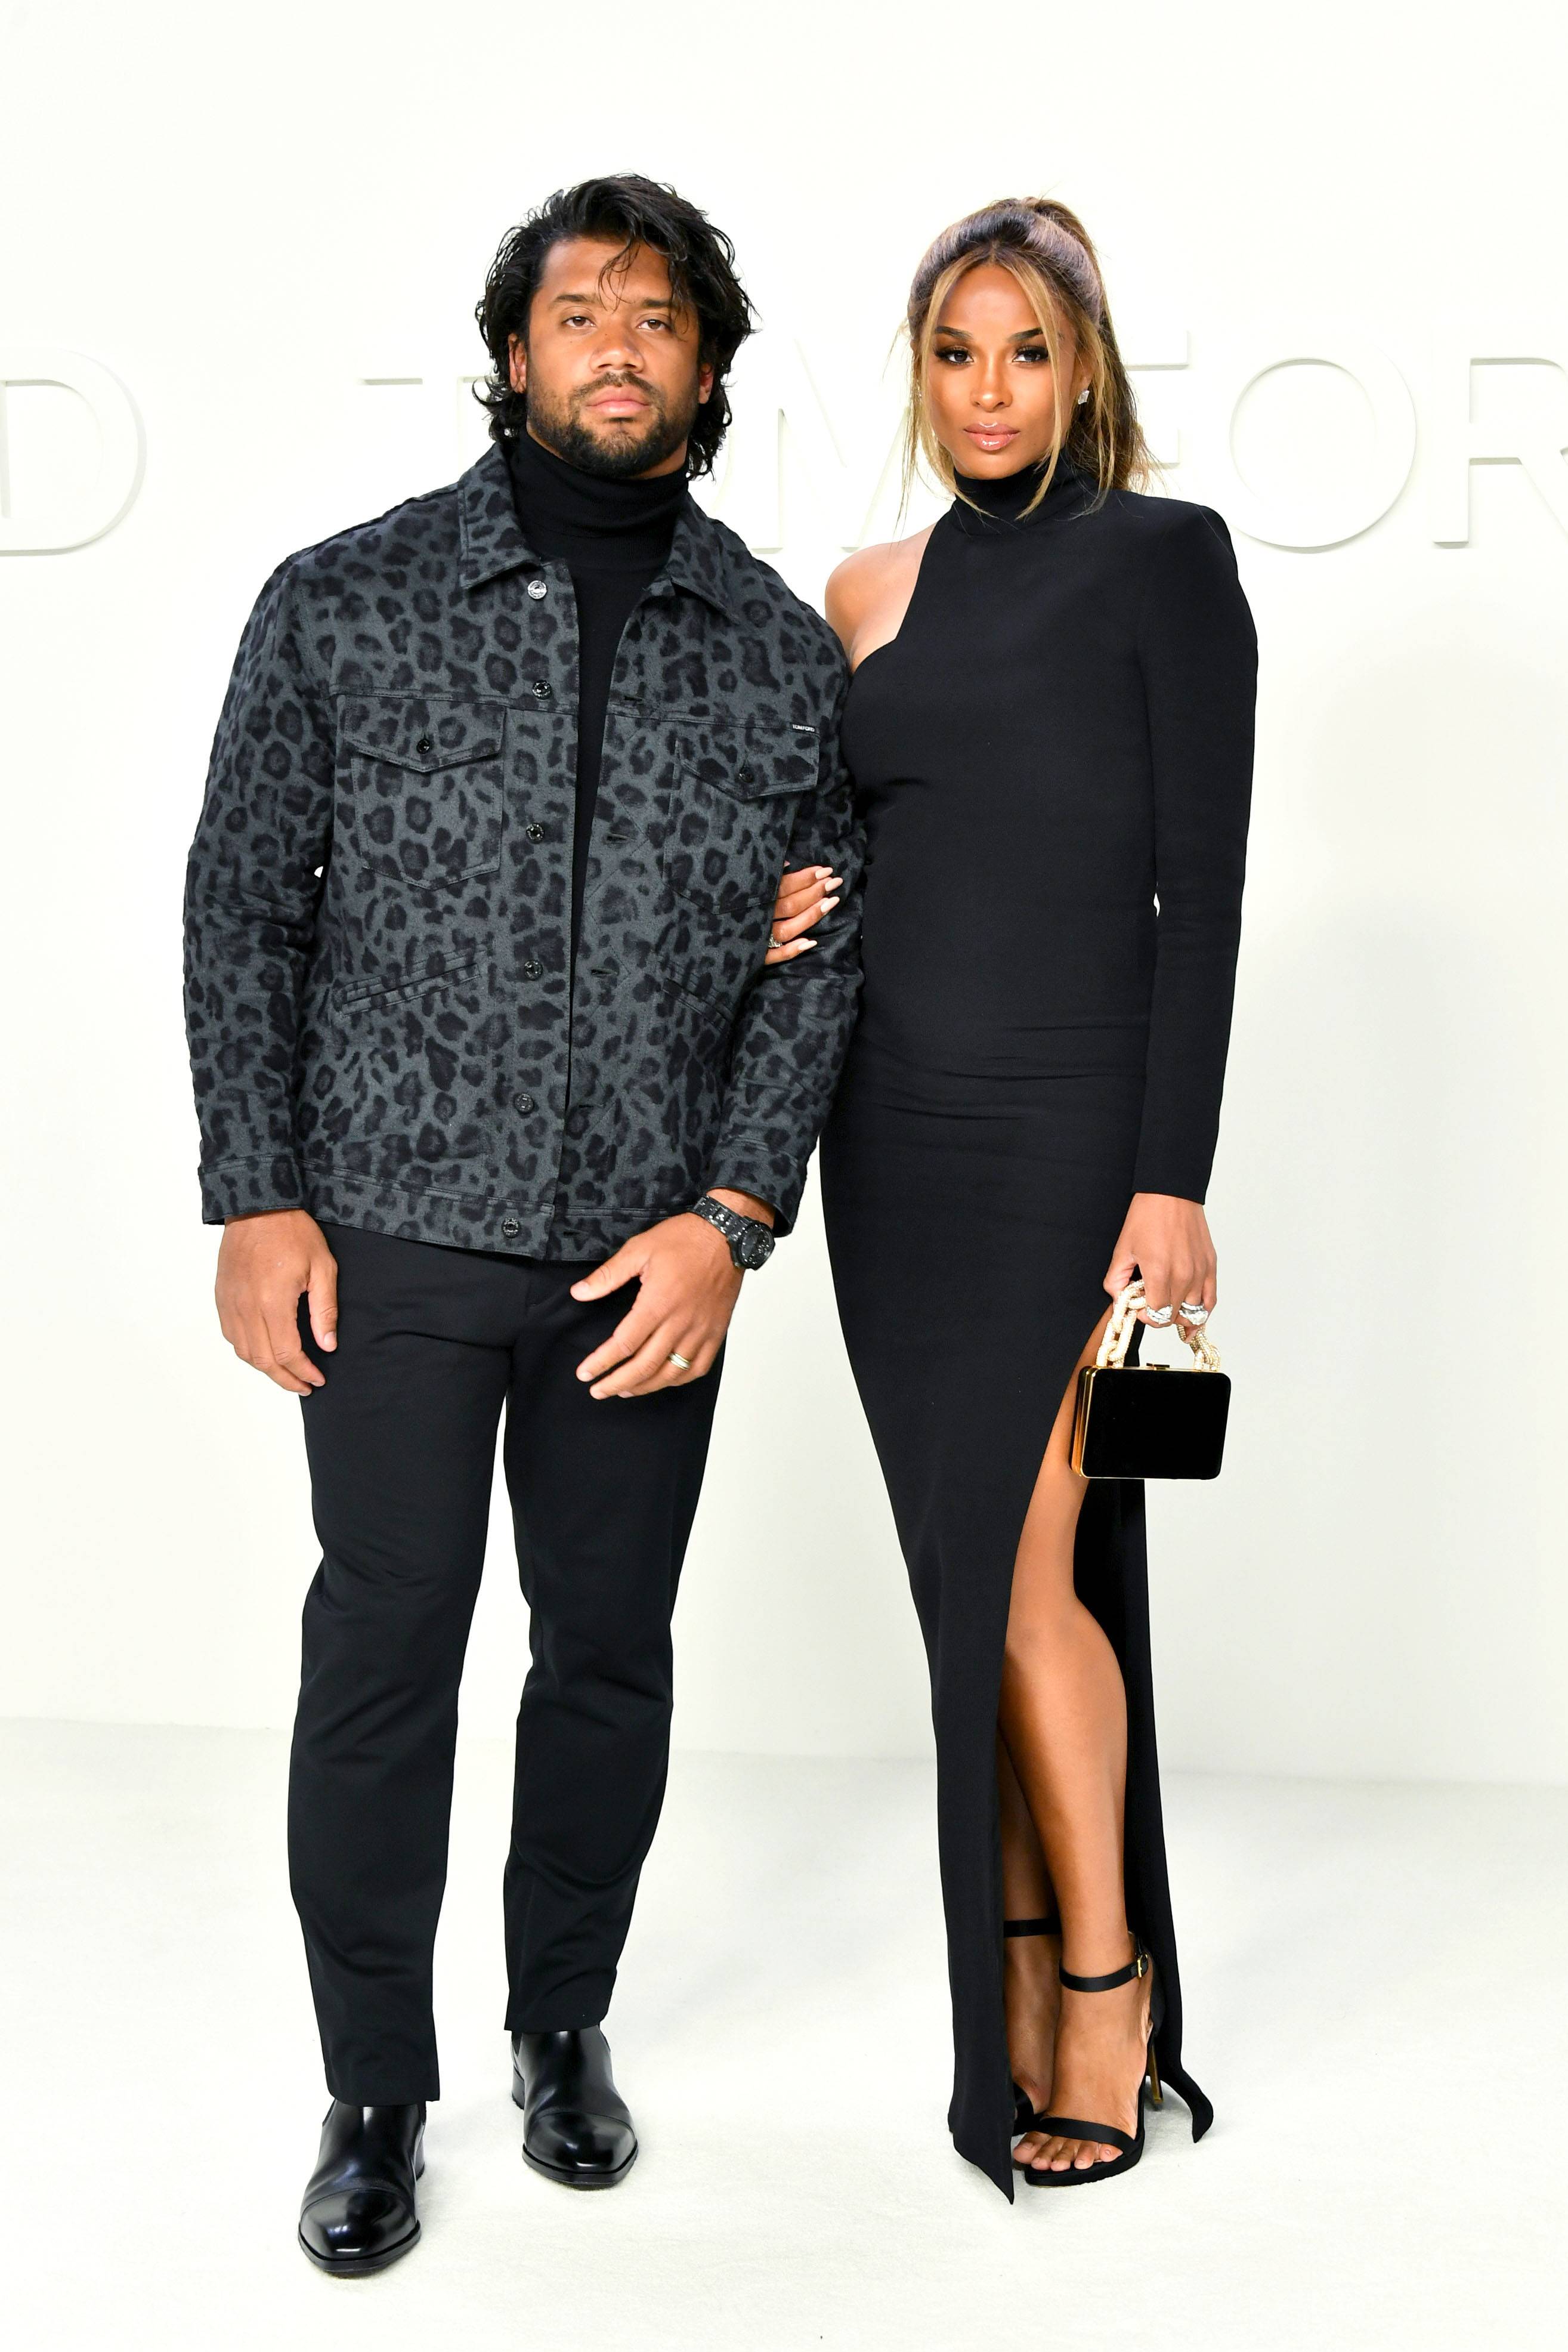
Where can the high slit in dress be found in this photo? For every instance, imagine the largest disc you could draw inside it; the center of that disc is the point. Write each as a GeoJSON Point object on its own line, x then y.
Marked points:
{"type": "Point", "coordinates": [1053, 764]}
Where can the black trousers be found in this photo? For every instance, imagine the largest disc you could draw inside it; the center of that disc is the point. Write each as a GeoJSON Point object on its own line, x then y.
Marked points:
{"type": "Point", "coordinates": [433, 1344]}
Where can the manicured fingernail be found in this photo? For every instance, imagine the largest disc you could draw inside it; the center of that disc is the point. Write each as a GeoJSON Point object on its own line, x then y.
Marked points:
{"type": "Point", "coordinates": [828, 904]}
{"type": "Point", "coordinates": [801, 945]}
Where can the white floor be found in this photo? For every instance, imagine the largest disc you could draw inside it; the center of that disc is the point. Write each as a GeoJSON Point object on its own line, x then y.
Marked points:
{"type": "Point", "coordinates": [1376, 2006]}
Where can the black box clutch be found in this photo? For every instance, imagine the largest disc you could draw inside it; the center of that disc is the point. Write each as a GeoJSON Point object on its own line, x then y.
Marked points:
{"type": "Point", "coordinates": [1145, 1421]}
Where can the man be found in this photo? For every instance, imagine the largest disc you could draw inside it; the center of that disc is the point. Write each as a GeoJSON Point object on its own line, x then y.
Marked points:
{"type": "Point", "coordinates": [497, 1102]}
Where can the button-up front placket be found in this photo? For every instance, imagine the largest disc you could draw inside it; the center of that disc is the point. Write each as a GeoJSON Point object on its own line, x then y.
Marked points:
{"type": "Point", "coordinates": [527, 611]}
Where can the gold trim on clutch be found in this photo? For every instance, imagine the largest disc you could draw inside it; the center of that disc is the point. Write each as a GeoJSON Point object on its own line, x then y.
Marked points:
{"type": "Point", "coordinates": [1080, 1415]}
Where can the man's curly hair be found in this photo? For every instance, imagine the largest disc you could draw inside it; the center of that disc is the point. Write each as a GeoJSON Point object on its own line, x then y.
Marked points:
{"type": "Point", "coordinates": [631, 211]}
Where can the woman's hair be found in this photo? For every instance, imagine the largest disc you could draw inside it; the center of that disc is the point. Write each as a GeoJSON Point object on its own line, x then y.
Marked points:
{"type": "Point", "coordinates": [1046, 249]}
{"type": "Point", "coordinates": [629, 211]}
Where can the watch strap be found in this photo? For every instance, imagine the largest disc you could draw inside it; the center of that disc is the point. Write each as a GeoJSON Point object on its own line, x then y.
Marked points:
{"type": "Point", "coordinates": [735, 1229]}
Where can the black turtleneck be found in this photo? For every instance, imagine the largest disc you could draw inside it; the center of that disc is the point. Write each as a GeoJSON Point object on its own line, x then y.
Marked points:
{"type": "Point", "coordinates": [1002, 497]}
{"type": "Point", "coordinates": [614, 539]}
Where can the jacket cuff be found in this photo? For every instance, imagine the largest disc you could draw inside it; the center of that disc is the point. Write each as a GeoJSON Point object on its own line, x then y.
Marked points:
{"type": "Point", "coordinates": [248, 1188]}
{"type": "Point", "coordinates": [750, 1157]}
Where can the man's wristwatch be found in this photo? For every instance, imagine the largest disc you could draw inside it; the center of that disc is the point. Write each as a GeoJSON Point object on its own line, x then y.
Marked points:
{"type": "Point", "coordinates": [750, 1242]}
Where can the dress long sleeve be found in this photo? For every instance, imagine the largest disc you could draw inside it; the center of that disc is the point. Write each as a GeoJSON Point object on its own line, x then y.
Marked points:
{"type": "Point", "coordinates": [1199, 652]}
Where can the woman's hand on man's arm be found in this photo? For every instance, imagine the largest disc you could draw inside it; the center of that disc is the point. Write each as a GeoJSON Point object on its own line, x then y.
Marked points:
{"type": "Point", "coordinates": [804, 898]}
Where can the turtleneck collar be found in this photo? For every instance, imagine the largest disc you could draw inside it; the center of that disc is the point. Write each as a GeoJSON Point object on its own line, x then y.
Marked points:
{"type": "Point", "coordinates": [1002, 497]}
{"type": "Point", "coordinates": [585, 519]}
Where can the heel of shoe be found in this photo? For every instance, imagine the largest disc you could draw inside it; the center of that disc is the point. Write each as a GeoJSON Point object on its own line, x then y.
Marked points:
{"type": "Point", "coordinates": [1156, 2019]}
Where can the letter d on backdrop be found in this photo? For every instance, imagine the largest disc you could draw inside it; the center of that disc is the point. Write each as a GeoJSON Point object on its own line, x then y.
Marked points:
{"type": "Point", "coordinates": [83, 510]}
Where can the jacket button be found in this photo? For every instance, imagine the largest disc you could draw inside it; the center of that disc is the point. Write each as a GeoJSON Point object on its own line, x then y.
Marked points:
{"type": "Point", "coordinates": [535, 832]}
{"type": "Point", "coordinates": [537, 588]}
{"type": "Point", "coordinates": [511, 1228]}
{"type": "Point", "coordinates": [743, 775]}
{"type": "Point", "coordinates": [426, 746]}
{"type": "Point", "coordinates": [532, 971]}
{"type": "Point", "coordinates": [523, 1102]}
{"type": "Point", "coordinates": [541, 690]}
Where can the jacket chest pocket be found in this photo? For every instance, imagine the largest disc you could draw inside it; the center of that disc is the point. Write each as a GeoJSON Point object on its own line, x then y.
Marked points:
{"type": "Point", "coordinates": [732, 804]}
{"type": "Point", "coordinates": [420, 788]}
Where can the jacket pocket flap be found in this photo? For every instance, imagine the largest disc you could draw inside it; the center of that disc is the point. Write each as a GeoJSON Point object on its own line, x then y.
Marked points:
{"type": "Point", "coordinates": [750, 764]}
{"type": "Point", "coordinates": [357, 990]}
{"type": "Point", "coordinates": [421, 732]}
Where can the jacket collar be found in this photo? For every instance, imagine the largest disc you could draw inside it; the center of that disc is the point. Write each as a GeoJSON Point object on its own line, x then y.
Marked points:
{"type": "Point", "coordinates": [493, 540]}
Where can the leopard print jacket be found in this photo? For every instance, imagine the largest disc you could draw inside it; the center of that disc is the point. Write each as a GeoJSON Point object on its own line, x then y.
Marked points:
{"type": "Point", "coordinates": [384, 1021]}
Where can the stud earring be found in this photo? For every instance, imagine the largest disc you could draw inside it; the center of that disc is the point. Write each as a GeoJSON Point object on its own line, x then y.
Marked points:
{"type": "Point", "coordinates": [1083, 395]}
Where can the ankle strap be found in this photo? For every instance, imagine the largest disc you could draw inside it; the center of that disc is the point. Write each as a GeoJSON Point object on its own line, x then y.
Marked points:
{"type": "Point", "coordinates": [1049, 1926]}
{"type": "Point", "coordinates": [1138, 1965]}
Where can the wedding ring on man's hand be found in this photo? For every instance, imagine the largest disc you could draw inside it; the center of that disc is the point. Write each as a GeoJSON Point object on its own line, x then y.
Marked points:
{"type": "Point", "coordinates": [685, 1362]}
{"type": "Point", "coordinates": [1194, 1315]}
{"type": "Point", "coordinates": [1159, 1314]}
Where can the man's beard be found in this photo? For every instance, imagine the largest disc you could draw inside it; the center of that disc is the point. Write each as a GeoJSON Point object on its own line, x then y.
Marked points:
{"type": "Point", "coordinates": [618, 453]}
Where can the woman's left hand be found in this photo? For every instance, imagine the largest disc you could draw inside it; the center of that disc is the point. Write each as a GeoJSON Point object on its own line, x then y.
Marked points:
{"type": "Point", "coordinates": [804, 897]}
{"type": "Point", "coordinates": [1166, 1241]}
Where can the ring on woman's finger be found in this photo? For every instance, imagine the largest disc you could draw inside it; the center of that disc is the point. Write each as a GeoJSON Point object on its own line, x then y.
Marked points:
{"type": "Point", "coordinates": [685, 1362]}
{"type": "Point", "coordinates": [1190, 1314]}
{"type": "Point", "coordinates": [1159, 1314]}
{"type": "Point", "coordinates": [776, 943]}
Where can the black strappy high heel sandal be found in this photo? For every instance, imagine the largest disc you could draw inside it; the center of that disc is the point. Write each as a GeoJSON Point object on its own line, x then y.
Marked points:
{"type": "Point", "coordinates": [1074, 2127]}
{"type": "Point", "coordinates": [1023, 2112]}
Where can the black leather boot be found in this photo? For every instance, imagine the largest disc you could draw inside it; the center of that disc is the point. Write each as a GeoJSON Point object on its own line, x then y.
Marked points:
{"type": "Point", "coordinates": [358, 2213]}
{"type": "Point", "coordinates": [576, 2128]}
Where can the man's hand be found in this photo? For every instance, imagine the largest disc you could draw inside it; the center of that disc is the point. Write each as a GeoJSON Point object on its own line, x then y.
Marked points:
{"type": "Point", "coordinates": [264, 1264]}
{"type": "Point", "coordinates": [1166, 1241]}
{"type": "Point", "coordinates": [688, 1287]}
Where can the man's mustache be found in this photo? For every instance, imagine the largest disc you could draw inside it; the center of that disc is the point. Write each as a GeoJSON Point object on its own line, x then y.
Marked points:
{"type": "Point", "coordinates": [620, 381]}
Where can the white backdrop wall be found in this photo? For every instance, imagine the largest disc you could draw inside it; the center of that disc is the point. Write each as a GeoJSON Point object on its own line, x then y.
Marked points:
{"type": "Point", "coordinates": [247, 218]}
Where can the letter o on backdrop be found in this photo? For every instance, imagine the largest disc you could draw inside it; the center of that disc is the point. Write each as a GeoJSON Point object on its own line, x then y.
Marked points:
{"type": "Point", "coordinates": [1328, 517]}
{"type": "Point", "coordinates": [93, 506]}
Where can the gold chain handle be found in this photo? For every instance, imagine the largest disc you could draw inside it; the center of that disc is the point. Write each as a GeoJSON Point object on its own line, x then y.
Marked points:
{"type": "Point", "coordinates": [1118, 1336]}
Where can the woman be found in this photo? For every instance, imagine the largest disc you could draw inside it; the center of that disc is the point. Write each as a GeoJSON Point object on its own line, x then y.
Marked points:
{"type": "Point", "coordinates": [1051, 714]}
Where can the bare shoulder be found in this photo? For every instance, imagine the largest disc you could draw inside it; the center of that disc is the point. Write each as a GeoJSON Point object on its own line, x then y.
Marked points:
{"type": "Point", "coordinates": [869, 592]}
{"type": "Point", "coordinates": [869, 573]}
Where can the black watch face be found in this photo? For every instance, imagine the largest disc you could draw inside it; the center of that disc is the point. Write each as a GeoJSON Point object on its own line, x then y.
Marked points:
{"type": "Point", "coordinates": [755, 1248]}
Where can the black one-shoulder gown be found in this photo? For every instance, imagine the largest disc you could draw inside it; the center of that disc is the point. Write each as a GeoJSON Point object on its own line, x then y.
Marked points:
{"type": "Point", "coordinates": [1053, 760]}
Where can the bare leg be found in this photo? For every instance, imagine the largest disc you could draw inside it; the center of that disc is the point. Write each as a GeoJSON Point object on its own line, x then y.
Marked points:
{"type": "Point", "coordinates": [1063, 1716]}
{"type": "Point", "coordinates": [1030, 1990]}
